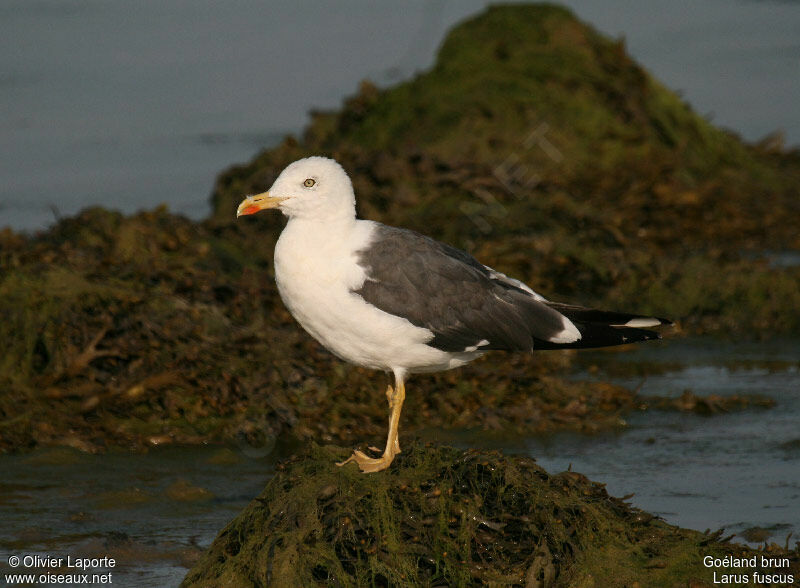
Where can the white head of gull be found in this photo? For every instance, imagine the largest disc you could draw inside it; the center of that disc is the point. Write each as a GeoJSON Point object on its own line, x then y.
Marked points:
{"type": "Point", "coordinates": [394, 300]}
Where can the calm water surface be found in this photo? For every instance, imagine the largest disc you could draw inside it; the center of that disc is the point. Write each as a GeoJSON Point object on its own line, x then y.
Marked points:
{"type": "Point", "coordinates": [151, 512]}
{"type": "Point", "coordinates": [735, 470]}
{"type": "Point", "coordinates": [107, 103]}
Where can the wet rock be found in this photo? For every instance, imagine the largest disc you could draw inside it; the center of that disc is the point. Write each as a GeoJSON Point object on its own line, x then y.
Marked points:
{"type": "Point", "coordinates": [183, 491]}
{"type": "Point", "coordinates": [224, 457]}
{"type": "Point", "coordinates": [121, 499]}
{"type": "Point", "coordinates": [709, 405]}
{"type": "Point", "coordinates": [534, 142]}
{"type": "Point", "coordinates": [441, 516]}
{"type": "Point", "coordinates": [756, 534]}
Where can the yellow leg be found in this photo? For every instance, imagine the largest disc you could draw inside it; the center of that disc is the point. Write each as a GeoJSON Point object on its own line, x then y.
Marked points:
{"type": "Point", "coordinates": [367, 464]}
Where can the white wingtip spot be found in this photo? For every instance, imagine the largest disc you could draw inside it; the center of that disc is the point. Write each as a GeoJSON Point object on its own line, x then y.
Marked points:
{"type": "Point", "coordinates": [480, 343]}
{"type": "Point", "coordinates": [639, 323]}
{"type": "Point", "coordinates": [569, 334]}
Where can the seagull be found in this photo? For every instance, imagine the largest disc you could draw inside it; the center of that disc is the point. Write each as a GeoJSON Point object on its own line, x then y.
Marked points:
{"type": "Point", "coordinates": [392, 299]}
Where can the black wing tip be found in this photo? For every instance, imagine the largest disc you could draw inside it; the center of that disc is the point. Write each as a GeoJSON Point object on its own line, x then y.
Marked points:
{"type": "Point", "coordinates": [596, 336]}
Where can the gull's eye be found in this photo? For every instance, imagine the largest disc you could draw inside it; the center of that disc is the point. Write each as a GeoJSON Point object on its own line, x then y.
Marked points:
{"type": "Point", "coordinates": [309, 183]}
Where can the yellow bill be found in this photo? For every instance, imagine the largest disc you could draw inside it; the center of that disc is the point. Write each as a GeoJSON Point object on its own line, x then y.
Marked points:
{"type": "Point", "coordinates": [253, 204]}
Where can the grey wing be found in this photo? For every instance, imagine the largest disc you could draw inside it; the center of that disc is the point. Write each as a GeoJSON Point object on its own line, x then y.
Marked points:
{"type": "Point", "coordinates": [464, 304]}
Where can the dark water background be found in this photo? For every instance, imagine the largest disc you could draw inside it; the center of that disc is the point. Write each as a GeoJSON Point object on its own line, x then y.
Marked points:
{"type": "Point", "coordinates": [128, 106]}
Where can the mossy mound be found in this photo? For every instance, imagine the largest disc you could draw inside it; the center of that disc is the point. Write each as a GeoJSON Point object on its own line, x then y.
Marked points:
{"type": "Point", "coordinates": [443, 517]}
{"type": "Point", "coordinates": [152, 329]}
{"type": "Point", "coordinates": [535, 143]}
{"type": "Point", "coordinates": [541, 147]}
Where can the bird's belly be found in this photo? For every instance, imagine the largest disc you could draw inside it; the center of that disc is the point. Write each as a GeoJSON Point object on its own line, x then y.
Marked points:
{"type": "Point", "coordinates": [356, 331]}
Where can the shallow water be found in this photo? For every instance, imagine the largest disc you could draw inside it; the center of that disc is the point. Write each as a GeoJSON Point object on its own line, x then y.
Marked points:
{"type": "Point", "coordinates": [734, 470]}
{"type": "Point", "coordinates": [106, 105]}
{"type": "Point", "coordinates": [149, 511]}
{"type": "Point", "coordinates": [737, 470]}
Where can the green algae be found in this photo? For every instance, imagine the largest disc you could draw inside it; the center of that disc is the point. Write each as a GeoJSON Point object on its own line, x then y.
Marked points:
{"type": "Point", "coordinates": [444, 517]}
{"type": "Point", "coordinates": [536, 144]}
{"type": "Point", "coordinates": [183, 339]}
{"type": "Point", "coordinates": [533, 142]}
{"type": "Point", "coordinates": [541, 147]}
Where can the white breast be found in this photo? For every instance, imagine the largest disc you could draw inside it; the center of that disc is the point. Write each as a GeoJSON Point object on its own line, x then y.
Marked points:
{"type": "Point", "coordinates": [316, 271]}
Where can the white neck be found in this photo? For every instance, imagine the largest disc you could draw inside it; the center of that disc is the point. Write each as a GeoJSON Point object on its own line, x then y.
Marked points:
{"type": "Point", "coordinates": [322, 226]}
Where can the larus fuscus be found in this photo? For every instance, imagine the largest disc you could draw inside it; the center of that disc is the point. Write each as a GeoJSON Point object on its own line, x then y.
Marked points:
{"type": "Point", "coordinates": [392, 299]}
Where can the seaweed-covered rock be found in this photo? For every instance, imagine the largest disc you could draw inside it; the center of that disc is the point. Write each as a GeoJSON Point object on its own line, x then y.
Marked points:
{"type": "Point", "coordinates": [443, 517]}
{"type": "Point", "coordinates": [151, 329]}
{"type": "Point", "coordinates": [541, 147]}
{"type": "Point", "coordinates": [534, 142]}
